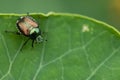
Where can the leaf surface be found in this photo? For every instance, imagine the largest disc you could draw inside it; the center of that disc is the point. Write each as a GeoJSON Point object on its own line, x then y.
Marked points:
{"type": "Point", "coordinates": [77, 48]}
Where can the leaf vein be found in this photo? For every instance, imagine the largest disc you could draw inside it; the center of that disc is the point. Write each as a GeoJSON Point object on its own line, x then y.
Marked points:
{"type": "Point", "coordinates": [102, 63]}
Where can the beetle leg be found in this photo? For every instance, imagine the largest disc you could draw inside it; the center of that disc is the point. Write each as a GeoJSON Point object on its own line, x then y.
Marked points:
{"type": "Point", "coordinates": [15, 32]}
{"type": "Point", "coordinates": [25, 43]}
{"type": "Point", "coordinates": [33, 43]}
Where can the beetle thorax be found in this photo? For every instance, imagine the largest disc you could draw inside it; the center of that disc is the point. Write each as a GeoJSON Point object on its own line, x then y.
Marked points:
{"type": "Point", "coordinates": [34, 30]}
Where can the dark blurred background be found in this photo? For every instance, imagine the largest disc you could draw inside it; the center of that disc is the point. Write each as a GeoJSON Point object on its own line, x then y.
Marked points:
{"type": "Point", "coordinates": [104, 10]}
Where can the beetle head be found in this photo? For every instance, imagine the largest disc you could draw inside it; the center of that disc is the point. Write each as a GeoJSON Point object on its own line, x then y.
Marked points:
{"type": "Point", "coordinates": [39, 39]}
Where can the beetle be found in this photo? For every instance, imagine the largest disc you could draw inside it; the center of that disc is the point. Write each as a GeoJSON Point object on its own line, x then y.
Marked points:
{"type": "Point", "coordinates": [29, 27]}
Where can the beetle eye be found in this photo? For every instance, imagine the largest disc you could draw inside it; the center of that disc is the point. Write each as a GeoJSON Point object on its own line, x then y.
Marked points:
{"type": "Point", "coordinates": [39, 39]}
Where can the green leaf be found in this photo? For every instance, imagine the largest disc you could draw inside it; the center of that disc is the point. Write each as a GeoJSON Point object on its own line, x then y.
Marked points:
{"type": "Point", "coordinates": [77, 48]}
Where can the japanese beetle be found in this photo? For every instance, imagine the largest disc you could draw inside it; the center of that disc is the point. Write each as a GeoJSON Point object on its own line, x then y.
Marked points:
{"type": "Point", "coordinates": [28, 27]}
